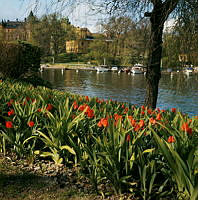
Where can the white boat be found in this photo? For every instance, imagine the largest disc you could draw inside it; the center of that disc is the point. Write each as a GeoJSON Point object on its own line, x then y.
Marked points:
{"type": "Point", "coordinates": [114, 69]}
{"type": "Point", "coordinates": [169, 70]}
{"type": "Point", "coordinates": [101, 69]}
{"type": "Point", "coordinates": [137, 69]}
{"type": "Point", "coordinates": [188, 70]}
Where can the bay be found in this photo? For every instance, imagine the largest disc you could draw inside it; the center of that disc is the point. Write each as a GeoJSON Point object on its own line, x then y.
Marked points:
{"type": "Point", "coordinates": [175, 90]}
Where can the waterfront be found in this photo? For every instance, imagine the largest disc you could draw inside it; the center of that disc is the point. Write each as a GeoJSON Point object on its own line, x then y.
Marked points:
{"type": "Point", "coordinates": [178, 90]}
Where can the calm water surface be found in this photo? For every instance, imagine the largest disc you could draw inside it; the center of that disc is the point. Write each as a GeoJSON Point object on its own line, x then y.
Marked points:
{"type": "Point", "coordinates": [179, 91]}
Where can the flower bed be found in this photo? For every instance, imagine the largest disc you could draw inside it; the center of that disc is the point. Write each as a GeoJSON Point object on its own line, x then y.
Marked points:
{"type": "Point", "coordinates": [151, 154]}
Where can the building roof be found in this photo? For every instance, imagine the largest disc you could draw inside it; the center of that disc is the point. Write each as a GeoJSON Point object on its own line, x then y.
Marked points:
{"type": "Point", "coordinates": [11, 24]}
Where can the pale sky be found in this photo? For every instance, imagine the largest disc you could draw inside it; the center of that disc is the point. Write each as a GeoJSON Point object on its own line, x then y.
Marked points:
{"type": "Point", "coordinates": [78, 16]}
{"type": "Point", "coordinates": [13, 9]}
{"type": "Point", "coordinates": [20, 9]}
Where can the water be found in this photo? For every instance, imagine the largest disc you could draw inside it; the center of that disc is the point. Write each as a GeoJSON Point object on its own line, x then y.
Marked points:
{"type": "Point", "coordinates": [178, 91]}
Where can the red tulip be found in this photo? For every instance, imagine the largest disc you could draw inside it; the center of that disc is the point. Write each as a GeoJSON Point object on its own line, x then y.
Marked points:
{"type": "Point", "coordinates": [103, 122]}
{"type": "Point", "coordinates": [126, 110]}
{"type": "Point", "coordinates": [171, 139]}
{"type": "Point", "coordinates": [9, 124]}
{"type": "Point", "coordinates": [117, 117]}
{"type": "Point", "coordinates": [152, 121]}
{"type": "Point", "coordinates": [30, 123]}
{"type": "Point", "coordinates": [186, 128]}
{"type": "Point", "coordinates": [149, 111]}
{"type": "Point", "coordinates": [137, 128]}
{"type": "Point", "coordinates": [141, 123]}
{"type": "Point", "coordinates": [158, 110]}
{"type": "Point", "coordinates": [89, 112]}
{"type": "Point", "coordinates": [81, 107]}
{"type": "Point", "coordinates": [133, 122]}
{"type": "Point", "coordinates": [28, 98]}
{"type": "Point", "coordinates": [75, 106]}
{"type": "Point", "coordinates": [158, 117]}
{"type": "Point", "coordinates": [99, 124]}
{"type": "Point", "coordinates": [128, 138]}
{"type": "Point", "coordinates": [49, 107]}
{"type": "Point", "coordinates": [11, 112]}
{"type": "Point", "coordinates": [87, 98]}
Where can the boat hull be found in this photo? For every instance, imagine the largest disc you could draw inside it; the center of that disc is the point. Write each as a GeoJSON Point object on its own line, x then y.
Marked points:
{"type": "Point", "coordinates": [136, 71]}
{"type": "Point", "coordinates": [101, 69]}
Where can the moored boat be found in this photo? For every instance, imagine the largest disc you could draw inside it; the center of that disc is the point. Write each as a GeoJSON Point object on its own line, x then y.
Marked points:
{"type": "Point", "coordinates": [114, 68]}
{"type": "Point", "coordinates": [101, 69]}
{"type": "Point", "coordinates": [138, 69]}
{"type": "Point", "coordinates": [188, 70]}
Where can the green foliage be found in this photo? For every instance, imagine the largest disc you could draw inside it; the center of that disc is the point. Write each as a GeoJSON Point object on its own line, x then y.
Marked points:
{"type": "Point", "coordinates": [150, 153]}
{"type": "Point", "coordinates": [16, 59]}
{"type": "Point", "coordinates": [67, 58]}
{"type": "Point", "coordinates": [183, 161]}
{"type": "Point", "coordinates": [50, 33]}
{"type": "Point", "coordinates": [35, 80]}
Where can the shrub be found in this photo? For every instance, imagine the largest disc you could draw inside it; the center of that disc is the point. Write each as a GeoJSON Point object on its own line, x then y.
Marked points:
{"type": "Point", "coordinates": [16, 59]}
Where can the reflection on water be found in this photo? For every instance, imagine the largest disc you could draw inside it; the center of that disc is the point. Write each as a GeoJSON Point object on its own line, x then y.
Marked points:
{"type": "Point", "coordinates": [179, 91]}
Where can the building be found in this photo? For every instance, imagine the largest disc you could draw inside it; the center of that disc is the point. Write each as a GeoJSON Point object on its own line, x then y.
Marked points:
{"type": "Point", "coordinates": [81, 44]}
{"type": "Point", "coordinates": [17, 30]}
{"type": "Point", "coordinates": [13, 30]}
{"type": "Point", "coordinates": [189, 59]}
{"type": "Point", "coordinates": [183, 58]}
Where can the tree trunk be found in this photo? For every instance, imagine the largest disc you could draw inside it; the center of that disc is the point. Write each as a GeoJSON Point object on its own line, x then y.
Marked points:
{"type": "Point", "coordinates": [153, 73]}
{"type": "Point", "coordinates": [158, 17]}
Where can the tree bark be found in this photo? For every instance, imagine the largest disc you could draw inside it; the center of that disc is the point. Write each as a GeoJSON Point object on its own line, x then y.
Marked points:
{"type": "Point", "coordinates": [153, 73]}
{"type": "Point", "coordinates": [157, 19]}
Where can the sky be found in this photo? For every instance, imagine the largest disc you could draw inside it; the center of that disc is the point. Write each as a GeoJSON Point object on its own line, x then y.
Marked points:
{"type": "Point", "coordinates": [20, 9]}
{"type": "Point", "coordinates": [79, 15]}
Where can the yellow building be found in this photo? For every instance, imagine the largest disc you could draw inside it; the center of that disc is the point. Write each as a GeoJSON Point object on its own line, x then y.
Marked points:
{"type": "Point", "coordinates": [81, 44]}
{"type": "Point", "coordinates": [13, 30]}
{"type": "Point", "coordinates": [83, 33]}
{"type": "Point", "coordinates": [1, 32]}
{"type": "Point", "coordinates": [189, 59]}
{"type": "Point", "coordinates": [183, 58]}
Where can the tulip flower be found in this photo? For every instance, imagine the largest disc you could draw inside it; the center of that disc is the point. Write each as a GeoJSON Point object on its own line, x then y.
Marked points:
{"type": "Point", "coordinates": [49, 107]}
{"type": "Point", "coordinates": [185, 127]}
{"type": "Point", "coordinates": [171, 139]}
{"type": "Point", "coordinates": [30, 123]}
{"type": "Point", "coordinates": [9, 124]}
{"type": "Point", "coordinates": [128, 138]}
{"type": "Point", "coordinates": [11, 112]}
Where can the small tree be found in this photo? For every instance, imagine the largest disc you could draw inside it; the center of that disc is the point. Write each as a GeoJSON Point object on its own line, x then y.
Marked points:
{"type": "Point", "coordinates": [99, 51]}
{"type": "Point", "coordinates": [16, 59]}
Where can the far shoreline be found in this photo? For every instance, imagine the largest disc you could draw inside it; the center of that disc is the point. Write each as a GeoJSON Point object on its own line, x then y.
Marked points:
{"type": "Point", "coordinates": [68, 66]}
